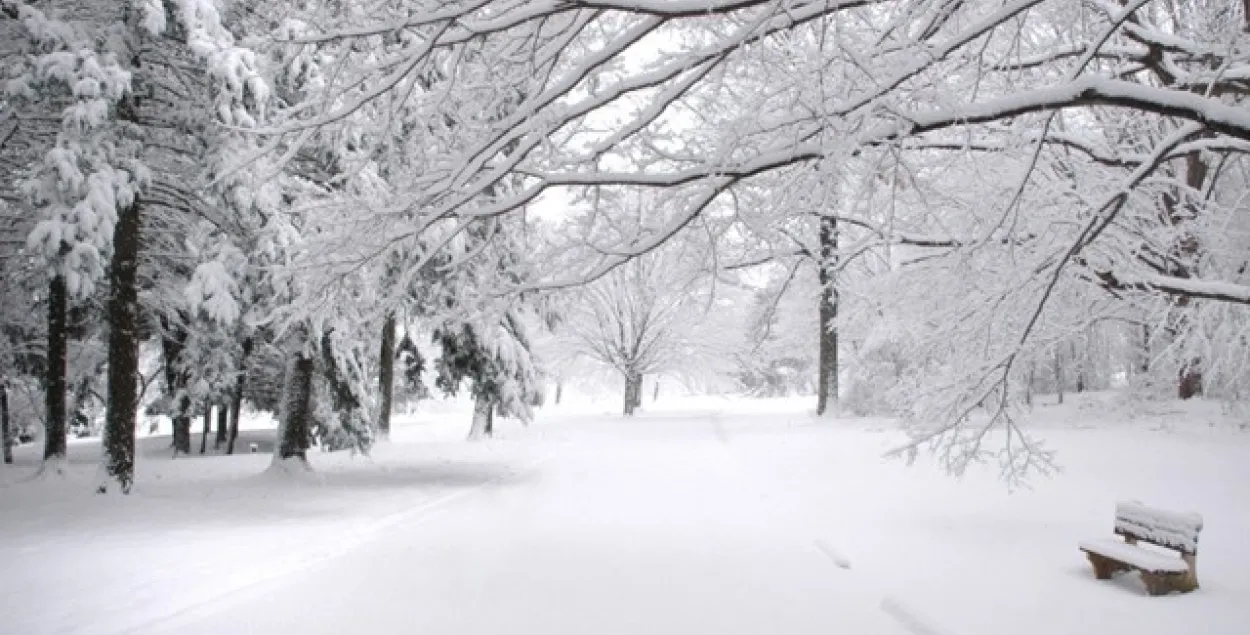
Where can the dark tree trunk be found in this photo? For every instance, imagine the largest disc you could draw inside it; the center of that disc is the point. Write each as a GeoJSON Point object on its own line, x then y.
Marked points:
{"type": "Point", "coordinates": [208, 428]}
{"type": "Point", "coordinates": [827, 380]}
{"type": "Point", "coordinates": [633, 392]}
{"type": "Point", "coordinates": [298, 411]}
{"type": "Point", "coordinates": [559, 391]}
{"type": "Point", "coordinates": [223, 426]}
{"type": "Point", "coordinates": [6, 434]}
{"type": "Point", "coordinates": [182, 430]}
{"type": "Point", "coordinates": [173, 341]}
{"type": "Point", "coordinates": [1079, 366]}
{"type": "Point", "coordinates": [1144, 363]}
{"type": "Point", "coordinates": [55, 381]}
{"type": "Point", "coordinates": [386, 376]}
{"type": "Point", "coordinates": [1190, 383]}
{"type": "Point", "coordinates": [236, 400]}
{"type": "Point", "coordinates": [123, 370]}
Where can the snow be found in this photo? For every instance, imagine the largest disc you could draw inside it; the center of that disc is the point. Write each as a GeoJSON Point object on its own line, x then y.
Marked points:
{"type": "Point", "coordinates": [703, 515]}
{"type": "Point", "coordinates": [1144, 559]}
{"type": "Point", "coordinates": [1178, 530]}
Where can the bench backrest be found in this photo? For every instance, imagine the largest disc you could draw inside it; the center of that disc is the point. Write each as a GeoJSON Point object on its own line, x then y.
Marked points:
{"type": "Point", "coordinates": [1174, 530]}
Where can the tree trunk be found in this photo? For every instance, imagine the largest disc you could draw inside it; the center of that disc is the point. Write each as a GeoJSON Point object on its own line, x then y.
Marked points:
{"type": "Point", "coordinates": [559, 391]}
{"type": "Point", "coordinates": [1144, 363]}
{"type": "Point", "coordinates": [223, 425]}
{"type": "Point", "coordinates": [208, 428]}
{"type": "Point", "coordinates": [1058, 375]}
{"type": "Point", "coordinates": [182, 430]}
{"type": "Point", "coordinates": [1079, 363]}
{"type": "Point", "coordinates": [1188, 252]}
{"type": "Point", "coordinates": [55, 380]}
{"type": "Point", "coordinates": [633, 390]}
{"type": "Point", "coordinates": [123, 369]}
{"type": "Point", "coordinates": [655, 393]}
{"type": "Point", "coordinates": [236, 400]}
{"type": "Point", "coordinates": [386, 376]}
{"type": "Point", "coordinates": [297, 412]}
{"type": "Point", "coordinates": [483, 418]}
{"type": "Point", "coordinates": [827, 381]}
{"type": "Point", "coordinates": [1190, 380]}
{"type": "Point", "coordinates": [173, 341]}
{"type": "Point", "coordinates": [6, 434]}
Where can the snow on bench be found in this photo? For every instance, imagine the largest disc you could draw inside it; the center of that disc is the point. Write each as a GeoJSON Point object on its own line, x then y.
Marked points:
{"type": "Point", "coordinates": [1138, 558]}
{"type": "Point", "coordinates": [1174, 530]}
{"type": "Point", "coordinates": [1136, 522]}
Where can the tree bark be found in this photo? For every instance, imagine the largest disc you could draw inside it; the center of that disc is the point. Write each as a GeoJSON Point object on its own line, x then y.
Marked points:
{"type": "Point", "coordinates": [56, 384]}
{"type": "Point", "coordinates": [559, 391]}
{"type": "Point", "coordinates": [123, 369]}
{"type": "Point", "coordinates": [386, 376]}
{"type": "Point", "coordinates": [1079, 366]}
{"type": "Point", "coordinates": [208, 428]}
{"type": "Point", "coordinates": [827, 380]}
{"type": "Point", "coordinates": [483, 418]}
{"type": "Point", "coordinates": [633, 391]}
{"type": "Point", "coordinates": [223, 426]}
{"type": "Point", "coordinates": [297, 411]}
{"type": "Point", "coordinates": [173, 341]}
{"type": "Point", "coordinates": [1058, 375]}
{"type": "Point", "coordinates": [6, 434]}
{"type": "Point", "coordinates": [1189, 381]}
{"type": "Point", "coordinates": [236, 400]}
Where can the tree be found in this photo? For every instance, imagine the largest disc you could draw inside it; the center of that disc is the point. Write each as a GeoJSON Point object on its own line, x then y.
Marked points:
{"type": "Point", "coordinates": [647, 317]}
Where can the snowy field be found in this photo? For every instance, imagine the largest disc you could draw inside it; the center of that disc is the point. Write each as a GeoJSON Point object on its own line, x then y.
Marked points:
{"type": "Point", "coordinates": [699, 516]}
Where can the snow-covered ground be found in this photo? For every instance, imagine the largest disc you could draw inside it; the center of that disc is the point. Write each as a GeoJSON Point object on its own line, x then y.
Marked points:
{"type": "Point", "coordinates": [700, 516]}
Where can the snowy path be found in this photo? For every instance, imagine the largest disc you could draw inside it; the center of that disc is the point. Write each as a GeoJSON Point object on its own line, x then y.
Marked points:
{"type": "Point", "coordinates": [641, 527]}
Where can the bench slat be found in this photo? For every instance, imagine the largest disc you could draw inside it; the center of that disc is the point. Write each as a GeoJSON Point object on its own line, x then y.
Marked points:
{"type": "Point", "coordinates": [1175, 530]}
{"type": "Point", "coordinates": [1134, 556]}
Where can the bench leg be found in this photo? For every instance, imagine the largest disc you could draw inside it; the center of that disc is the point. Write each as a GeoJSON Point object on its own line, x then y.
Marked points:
{"type": "Point", "coordinates": [1158, 583]}
{"type": "Point", "coordinates": [1104, 567]}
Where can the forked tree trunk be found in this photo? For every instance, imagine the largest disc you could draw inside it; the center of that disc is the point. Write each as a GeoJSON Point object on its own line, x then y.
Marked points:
{"type": "Point", "coordinates": [827, 379]}
{"type": "Point", "coordinates": [55, 381]}
{"type": "Point", "coordinates": [483, 418]}
{"type": "Point", "coordinates": [297, 411]}
{"type": "Point", "coordinates": [223, 426]}
{"type": "Point", "coordinates": [386, 376]}
{"type": "Point", "coordinates": [6, 434]}
{"type": "Point", "coordinates": [236, 399]}
{"type": "Point", "coordinates": [123, 369]}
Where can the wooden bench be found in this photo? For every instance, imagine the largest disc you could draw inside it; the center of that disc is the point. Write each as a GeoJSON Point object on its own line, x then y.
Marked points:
{"type": "Point", "coordinates": [1161, 572]}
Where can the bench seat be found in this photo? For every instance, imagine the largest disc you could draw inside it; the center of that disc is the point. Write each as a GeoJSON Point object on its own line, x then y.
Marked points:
{"type": "Point", "coordinates": [1137, 557]}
